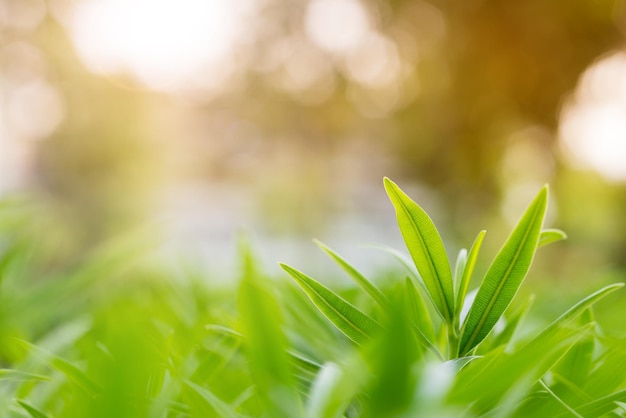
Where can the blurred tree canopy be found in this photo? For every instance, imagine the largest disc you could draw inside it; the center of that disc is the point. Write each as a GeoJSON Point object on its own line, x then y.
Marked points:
{"type": "Point", "coordinates": [439, 92]}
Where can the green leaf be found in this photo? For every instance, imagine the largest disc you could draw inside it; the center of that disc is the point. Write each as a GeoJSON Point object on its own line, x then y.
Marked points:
{"type": "Point", "coordinates": [577, 363]}
{"type": "Point", "coordinates": [11, 374]}
{"type": "Point", "coordinates": [32, 411]}
{"type": "Point", "coordinates": [468, 270]}
{"type": "Point", "coordinates": [548, 236]}
{"type": "Point", "coordinates": [426, 247]}
{"type": "Point", "coordinates": [216, 404]}
{"type": "Point", "coordinates": [568, 317]}
{"type": "Point", "coordinates": [355, 324]}
{"type": "Point", "coordinates": [365, 284]}
{"type": "Point", "coordinates": [418, 314]}
{"type": "Point", "coordinates": [265, 343]}
{"type": "Point", "coordinates": [505, 275]}
{"type": "Point", "coordinates": [601, 407]}
{"type": "Point", "coordinates": [333, 390]}
{"type": "Point", "coordinates": [459, 266]}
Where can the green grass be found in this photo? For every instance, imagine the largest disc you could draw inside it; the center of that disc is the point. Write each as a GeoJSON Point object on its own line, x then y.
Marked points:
{"type": "Point", "coordinates": [113, 335]}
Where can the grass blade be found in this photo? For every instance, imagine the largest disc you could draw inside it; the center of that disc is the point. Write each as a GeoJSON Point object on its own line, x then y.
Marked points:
{"type": "Point", "coordinates": [472, 256]}
{"type": "Point", "coordinates": [213, 402]}
{"type": "Point", "coordinates": [602, 406]}
{"type": "Point", "coordinates": [365, 284]}
{"type": "Point", "coordinates": [426, 247]}
{"type": "Point", "coordinates": [572, 313]}
{"type": "Point", "coordinates": [266, 343]}
{"type": "Point", "coordinates": [505, 275]}
{"type": "Point", "coordinates": [548, 236]}
{"type": "Point", "coordinates": [418, 313]}
{"type": "Point", "coordinates": [355, 324]}
{"type": "Point", "coordinates": [32, 411]}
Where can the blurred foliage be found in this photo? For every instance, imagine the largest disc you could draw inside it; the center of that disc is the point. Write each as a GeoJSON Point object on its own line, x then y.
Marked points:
{"type": "Point", "coordinates": [464, 102]}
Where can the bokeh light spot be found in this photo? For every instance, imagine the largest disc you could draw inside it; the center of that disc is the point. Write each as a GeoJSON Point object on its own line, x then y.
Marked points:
{"type": "Point", "coordinates": [336, 25]}
{"type": "Point", "coordinates": [163, 43]}
{"type": "Point", "coordinates": [593, 123]}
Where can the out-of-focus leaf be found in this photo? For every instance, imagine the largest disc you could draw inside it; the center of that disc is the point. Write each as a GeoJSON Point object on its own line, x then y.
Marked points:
{"type": "Point", "coordinates": [392, 358]}
{"type": "Point", "coordinates": [11, 374]}
{"type": "Point", "coordinates": [468, 270]}
{"type": "Point", "coordinates": [361, 280]}
{"type": "Point", "coordinates": [418, 314]}
{"type": "Point", "coordinates": [577, 363]}
{"type": "Point", "coordinates": [426, 247]}
{"type": "Point", "coordinates": [265, 343]}
{"type": "Point", "coordinates": [550, 235]}
{"type": "Point", "coordinates": [505, 275]}
{"type": "Point", "coordinates": [355, 324]}
{"type": "Point", "coordinates": [334, 388]}
{"type": "Point", "coordinates": [72, 372]}
{"type": "Point", "coordinates": [484, 381]}
{"type": "Point", "coordinates": [32, 411]}
{"type": "Point", "coordinates": [560, 401]}
{"type": "Point", "coordinates": [572, 313]}
{"type": "Point", "coordinates": [512, 324]}
{"type": "Point", "coordinates": [600, 407]}
{"type": "Point", "coordinates": [221, 408]}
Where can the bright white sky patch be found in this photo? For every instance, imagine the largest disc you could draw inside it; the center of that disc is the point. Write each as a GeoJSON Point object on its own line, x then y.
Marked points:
{"type": "Point", "coordinates": [593, 124]}
{"type": "Point", "coordinates": [163, 43]}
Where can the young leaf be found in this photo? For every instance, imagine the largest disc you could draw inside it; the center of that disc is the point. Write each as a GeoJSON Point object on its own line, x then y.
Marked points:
{"type": "Point", "coordinates": [505, 275]}
{"type": "Point", "coordinates": [355, 324]}
{"type": "Point", "coordinates": [365, 284]}
{"type": "Point", "coordinates": [417, 311]}
{"type": "Point", "coordinates": [468, 270]}
{"type": "Point", "coordinates": [459, 266]}
{"type": "Point", "coordinates": [32, 411]}
{"type": "Point", "coordinates": [548, 236]}
{"type": "Point", "coordinates": [426, 247]}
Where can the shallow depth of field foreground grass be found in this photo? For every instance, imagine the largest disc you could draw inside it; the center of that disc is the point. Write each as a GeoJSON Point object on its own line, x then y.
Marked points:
{"type": "Point", "coordinates": [117, 335]}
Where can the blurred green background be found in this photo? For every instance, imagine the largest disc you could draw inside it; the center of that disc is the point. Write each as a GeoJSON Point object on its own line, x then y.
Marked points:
{"type": "Point", "coordinates": [195, 118]}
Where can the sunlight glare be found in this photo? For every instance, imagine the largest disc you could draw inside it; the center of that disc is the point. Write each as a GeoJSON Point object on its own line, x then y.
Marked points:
{"type": "Point", "coordinates": [163, 43]}
{"type": "Point", "coordinates": [593, 125]}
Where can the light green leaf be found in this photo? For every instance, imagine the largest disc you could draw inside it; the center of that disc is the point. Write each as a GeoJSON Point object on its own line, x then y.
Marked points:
{"type": "Point", "coordinates": [333, 389]}
{"type": "Point", "coordinates": [32, 411]}
{"type": "Point", "coordinates": [219, 406]}
{"type": "Point", "coordinates": [12, 374]}
{"type": "Point", "coordinates": [418, 313]}
{"type": "Point", "coordinates": [355, 324]}
{"type": "Point", "coordinates": [468, 270]}
{"type": "Point", "coordinates": [505, 275]}
{"type": "Point", "coordinates": [265, 342]}
{"type": "Point", "coordinates": [548, 236]}
{"type": "Point", "coordinates": [568, 317]}
{"type": "Point", "coordinates": [365, 284]}
{"type": "Point", "coordinates": [601, 407]}
{"type": "Point", "coordinates": [459, 266]}
{"type": "Point", "coordinates": [426, 247]}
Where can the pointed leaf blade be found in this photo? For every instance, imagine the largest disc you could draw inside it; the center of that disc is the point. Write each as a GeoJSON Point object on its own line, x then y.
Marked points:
{"type": "Point", "coordinates": [505, 275]}
{"type": "Point", "coordinates": [355, 324]}
{"type": "Point", "coordinates": [550, 235]}
{"type": "Point", "coordinates": [426, 247]}
{"type": "Point", "coordinates": [361, 280]}
{"type": "Point", "coordinates": [472, 256]}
